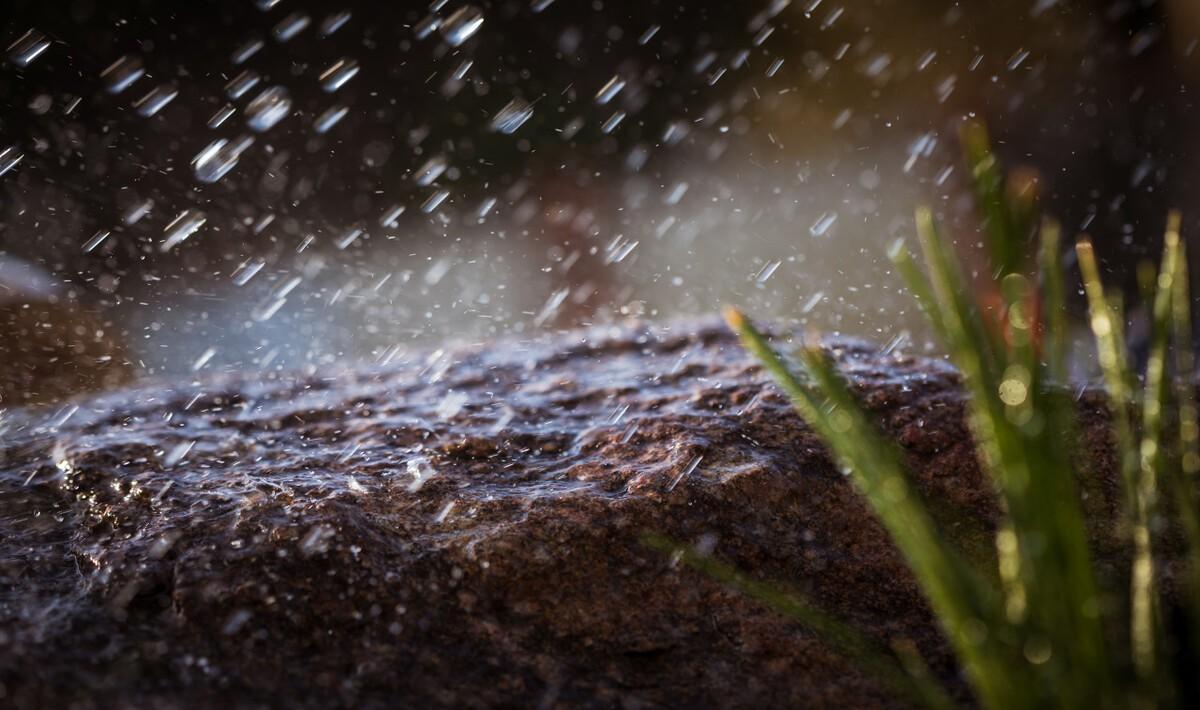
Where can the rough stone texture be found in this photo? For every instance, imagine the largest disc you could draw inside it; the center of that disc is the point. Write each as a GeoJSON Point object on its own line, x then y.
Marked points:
{"type": "Point", "coordinates": [290, 557]}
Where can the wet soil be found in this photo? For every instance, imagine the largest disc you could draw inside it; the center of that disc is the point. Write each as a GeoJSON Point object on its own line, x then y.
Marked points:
{"type": "Point", "coordinates": [464, 529]}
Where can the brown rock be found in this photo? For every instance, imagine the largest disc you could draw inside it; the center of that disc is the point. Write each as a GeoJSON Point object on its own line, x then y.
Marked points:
{"type": "Point", "coordinates": [355, 540]}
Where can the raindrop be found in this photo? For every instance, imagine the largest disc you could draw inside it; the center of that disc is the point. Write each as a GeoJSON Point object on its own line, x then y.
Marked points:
{"type": "Point", "coordinates": [539, 5]}
{"type": "Point", "coordinates": [290, 26]}
{"type": "Point", "coordinates": [221, 116]}
{"type": "Point", "coordinates": [182, 227]}
{"type": "Point", "coordinates": [336, 76]}
{"type": "Point", "coordinates": [240, 84]}
{"type": "Point", "coordinates": [265, 5]}
{"type": "Point", "coordinates": [247, 50]}
{"type": "Point", "coordinates": [27, 48]}
{"type": "Point", "coordinates": [462, 25]}
{"type": "Point", "coordinates": [333, 23]}
{"type": "Point", "coordinates": [329, 118]}
{"type": "Point", "coordinates": [613, 121]}
{"type": "Point", "coordinates": [349, 237]}
{"type": "Point", "coordinates": [268, 108]}
{"type": "Point", "coordinates": [431, 170]}
{"type": "Point", "coordinates": [649, 34]}
{"type": "Point", "coordinates": [610, 90]}
{"type": "Point", "coordinates": [676, 131]}
{"type": "Point", "coordinates": [216, 160]}
{"type": "Point", "coordinates": [178, 452]}
{"type": "Point", "coordinates": [155, 100]}
{"type": "Point", "coordinates": [97, 239]}
{"type": "Point", "coordinates": [687, 471]}
{"type": "Point", "coordinates": [676, 194]}
{"type": "Point", "coordinates": [812, 302]}
{"type": "Point", "coordinates": [427, 26]}
{"type": "Point", "coordinates": [438, 271]}
{"type": "Point", "coordinates": [248, 270]}
{"type": "Point", "coordinates": [204, 358]}
{"type": "Point", "coordinates": [767, 271]}
{"type": "Point", "coordinates": [444, 513]}
{"type": "Point", "coordinates": [435, 200]}
{"type": "Point", "coordinates": [823, 223]}
{"type": "Point", "coordinates": [514, 115]}
{"type": "Point", "coordinates": [1018, 59]}
{"type": "Point", "coordinates": [9, 157]}
{"type": "Point", "coordinates": [121, 74]}
{"type": "Point", "coordinates": [485, 207]}
{"type": "Point", "coordinates": [389, 218]}
{"type": "Point", "coordinates": [134, 214]}
{"type": "Point", "coordinates": [774, 68]}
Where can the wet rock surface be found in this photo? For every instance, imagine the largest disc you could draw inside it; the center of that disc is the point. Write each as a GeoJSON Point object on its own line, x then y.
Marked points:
{"type": "Point", "coordinates": [464, 529]}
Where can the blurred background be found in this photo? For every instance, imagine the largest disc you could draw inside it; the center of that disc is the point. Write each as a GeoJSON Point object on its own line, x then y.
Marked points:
{"type": "Point", "coordinates": [261, 184]}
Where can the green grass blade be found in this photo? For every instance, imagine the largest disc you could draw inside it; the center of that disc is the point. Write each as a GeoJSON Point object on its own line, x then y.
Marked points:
{"type": "Point", "coordinates": [1108, 330]}
{"type": "Point", "coordinates": [1184, 474]}
{"type": "Point", "coordinates": [1004, 227]}
{"type": "Point", "coordinates": [1151, 458]}
{"type": "Point", "coordinates": [1042, 548]}
{"type": "Point", "coordinates": [1054, 301]}
{"type": "Point", "coordinates": [961, 602]}
{"type": "Point", "coordinates": [906, 674]}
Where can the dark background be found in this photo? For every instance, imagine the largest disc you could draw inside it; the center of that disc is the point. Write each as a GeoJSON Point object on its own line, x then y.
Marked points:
{"type": "Point", "coordinates": [854, 128]}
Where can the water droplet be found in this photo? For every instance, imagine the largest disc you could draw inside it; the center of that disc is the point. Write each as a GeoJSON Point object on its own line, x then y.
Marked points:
{"type": "Point", "coordinates": [155, 100]}
{"type": "Point", "coordinates": [427, 26]}
{"type": "Point", "coordinates": [27, 48]}
{"type": "Point", "coordinates": [388, 219]}
{"type": "Point", "coordinates": [462, 25]}
{"type": "Point", "coordinates": [135, 213]}
{"type": "Point", "coordinates": [97, 239]}
{"type": "Point", "coordinates": [514, 115]}
{"type": "Point", "coordinates": [336, 76]}
{"type": "Point", "coordinates": [823, 223]}
{"type": "Point", "coordinates": [182, 227]}
{"type": "Point", "coordinates": [221, 116]}
{"type": "Point", "coordinates": [610, 90]}
{"type": "Point", "coordinates": [649, 34]}
{"type": "Point", "coordinates": [435, 200]}
{"type": "Point", "coordinates": [333, 23]}
{"type": "Point", "coordinates": [431, 170]}
{"type": "Point", "coordinates": [268, 108]}
{"type": "Point", "coordinates": [349, 237]}
{"type": "Point", "coordinates": [9, 157]}
{"type": "Point", "coordinates": [247, 50]}
{"type": "Point", "coordinates": [485, 207]}
{"type": "Point", "coordinates": [219, 157]}
{"type": "Point", "coordinates": [767, 271]}
{"type": "Point", "coordinates": [121, 74]}
{"type": "Point", "coordinates": [329, 118]}
{"type": "Point", "coordinates": [290, 26]}
{"type": "Point", "coordinates": [240, 84]}
{"type": "Point", "coordinates": [613, 121]}
{"type": "Point", "coordinates": [178, 453]}
{"type": "Point", "coordinates": [676, 194]}
{"type": "Point", "coordinates": [573, 127]}
{"type": "Point", "coordinates": [203, 359]}
{"type": "Point", "coordinates": [451, 405]}
{"type": "Point", "coordinates": [248, 270]}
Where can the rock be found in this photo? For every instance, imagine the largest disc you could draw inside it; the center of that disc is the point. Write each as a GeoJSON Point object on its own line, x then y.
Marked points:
{"type": "Point", "coordinates": [330, 540]}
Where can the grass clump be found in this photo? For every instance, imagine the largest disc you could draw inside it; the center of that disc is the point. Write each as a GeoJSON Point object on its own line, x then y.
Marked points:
{"type": "Point", "coordinates": [1043, 628]}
